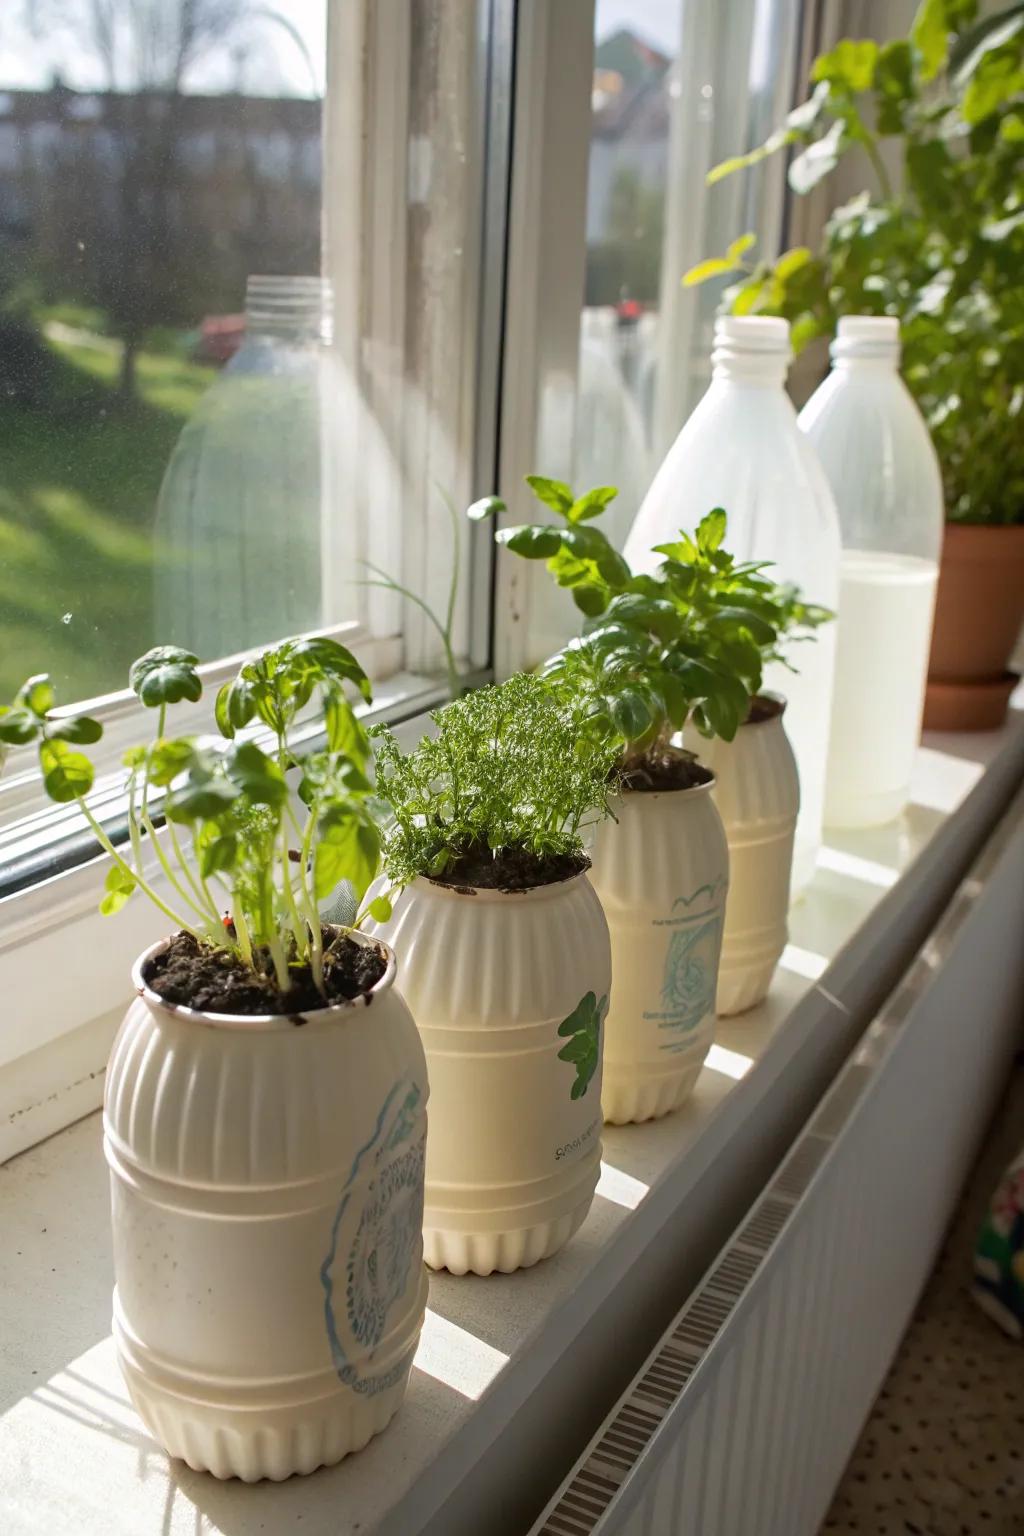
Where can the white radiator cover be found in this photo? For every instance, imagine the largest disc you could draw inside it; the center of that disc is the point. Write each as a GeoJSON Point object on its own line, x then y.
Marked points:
{"type": "Point", "coordinates": [742, 1419]}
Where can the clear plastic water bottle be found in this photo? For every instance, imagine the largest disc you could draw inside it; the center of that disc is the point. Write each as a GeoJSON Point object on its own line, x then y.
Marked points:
{"type": "Point", "coordinates": [742, 450]}
{"type": "Point", "coordinates": [249, 486]}
{"type": "Point", "coordinates": [874, 446]}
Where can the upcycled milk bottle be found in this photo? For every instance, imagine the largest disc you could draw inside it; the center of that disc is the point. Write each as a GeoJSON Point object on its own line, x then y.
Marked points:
{"type": "Point", "coordinates": [742, 450]}
{"type": "Point", "coordinates": [874, 446]}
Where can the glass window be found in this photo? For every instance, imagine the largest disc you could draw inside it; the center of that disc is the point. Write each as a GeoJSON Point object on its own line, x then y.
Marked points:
{"type": "Point", "coordinates": [677, 87]}
{"type": "Point", "coordinates": [159, 431]}
{"type": "Point", "coordinates": [241, 258]}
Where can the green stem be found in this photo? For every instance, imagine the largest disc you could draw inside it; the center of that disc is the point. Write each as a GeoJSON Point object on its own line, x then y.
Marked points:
{"type": "Point", "coordinates": [242, 929]}
{"type": "Point", "coordinates": [172, 878]}
{"type": "Point", "coordinates": [298, 927]}
{"type": "Point", "coordinates": [309, 901]}
{"type": "Point", "coordinates": [143, 884]}
{"type": "Point", "coordinates": [280, 964]}
{"type": "Point", "coordinates": [878, 165]}
{"type": "Point", "coordinates": [200, 888]}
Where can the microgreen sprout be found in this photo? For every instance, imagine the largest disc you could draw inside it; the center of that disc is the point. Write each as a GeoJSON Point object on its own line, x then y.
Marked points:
{"type": "Point", "coordinates": [245, 864]}
{"type": "Point", "coordinates": [508, 772]}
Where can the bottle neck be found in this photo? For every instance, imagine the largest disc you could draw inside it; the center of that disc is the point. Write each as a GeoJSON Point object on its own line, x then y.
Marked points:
{"type": "Point", "coordinates": [289, 308]}
{"type": "Point", "coordinates": [749, 368]}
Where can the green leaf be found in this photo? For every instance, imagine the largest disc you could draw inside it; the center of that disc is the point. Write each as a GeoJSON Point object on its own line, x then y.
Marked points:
{"type": "Point", "coordinates": [256, 775]}
{"type": "Point", "coordinates": [310, 661]}
{"type": "Point", "coordinates": [165, 675]}
{"type": "Point", "coordinates": [592, 504]}
{"type": "Point", "coordinates": [817, 160]}
{"type": "Point", "coordinates": [714, 266]}
{"type": "Point", "coordinates": [737, 249]}
{"type": "Point", "coordinates": [997, 80]}
{"type": "Point", "coordinates": [1011, 128]}
{"type": "Point", "coordinates": [806, 115]}
{"type": "Point", "coordinates": [345, 732]}
{"type": "Point", "coordinates": [380, 909]}
{"type": "Point", "coordinates": [929, 34]}
{"type": "Point", "coordinates": [590, 598]}
{"type": "Point", "coordinates": [348, 849]}
{"type": "Point", "coordinates": [711, 531]}
{"type": "Point", "coordinates": [118, 887]}
{"type": "Point", "coordinates": [583, 1051]}
{"type": "Point", "coordinates": [80, 729]}
{"type": "Point", "coordinates": [36, 694]}
{"type": "Point", "coordinates": [487, 506]}
{"type": "Point", "coordinates": [166, 760]}
{"type": "Point", "coordinates": [236, 705]}
{"type": "Point", "coordinates": [793, 260]}
{"type": "Point", "coordinates": [67, 775]}
{"type": "Point", "coordinates": [18, 725]}
{"type": "Point", "coordinates": [991, 32]}
{"type": "Point", "coordinates": [851, 64]}
{"type": "Point", "coordinates": [553, 493]}
{"type": "Point", "coordinates": [218, 854]}
{"type": "Point", "coordinates": [534, 541]}
{"type": "Point", "coordinates": [203, 800]}
{"type": "Point", "coordinates": [631, 715]}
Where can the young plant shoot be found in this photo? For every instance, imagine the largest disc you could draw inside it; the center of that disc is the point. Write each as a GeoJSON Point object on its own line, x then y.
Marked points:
{"type": "Point", "coordinates": [499, 796]}
{"type": "Point", "coordinates": [243, 870]}
{"type": "Point", "coordinates": [689, 641]}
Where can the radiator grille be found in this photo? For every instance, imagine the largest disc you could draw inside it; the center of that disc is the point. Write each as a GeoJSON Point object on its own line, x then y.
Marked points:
{"type": "Point", "coordinates": [741, 1421]}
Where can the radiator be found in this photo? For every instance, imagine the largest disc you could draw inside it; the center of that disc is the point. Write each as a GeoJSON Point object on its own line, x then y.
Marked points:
{"type": "Point", "coordinates": [742, 1419]}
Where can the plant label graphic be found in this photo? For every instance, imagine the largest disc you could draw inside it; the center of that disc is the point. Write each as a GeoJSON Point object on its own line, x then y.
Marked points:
{"type": "Point", "coordinates": [583, 1026]}
{"type": "Point", "coordinates": [375, 1242]}
{"type": "Point", "coordinates": [691, 973]}
{"type": "Point", "coordinates": [689, 976]}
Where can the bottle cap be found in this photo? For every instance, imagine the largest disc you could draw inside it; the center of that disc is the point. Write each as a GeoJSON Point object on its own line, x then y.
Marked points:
{"type": "Point", "coordinates": [753, 333]}
{"type": "Point", "coordinates": [867, 336]}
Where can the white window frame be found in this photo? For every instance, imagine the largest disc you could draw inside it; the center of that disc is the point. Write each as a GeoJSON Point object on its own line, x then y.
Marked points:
{"type": "Point", "coordinates": [52, 1057]}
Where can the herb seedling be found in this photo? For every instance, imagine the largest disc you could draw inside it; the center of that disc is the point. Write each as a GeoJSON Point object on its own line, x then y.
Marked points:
{"type": "Point", "coordinates": [509, 777]}
{"type": "Point", "coordinates": [227, 800]}
{"type": "Point", "coordinates": [940, 246]}
{"type": "Point", "coordinates": [690, 640]}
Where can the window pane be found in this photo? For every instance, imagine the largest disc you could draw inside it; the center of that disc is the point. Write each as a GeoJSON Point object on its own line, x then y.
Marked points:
{"type": "Point", "coordinates": [162, 435]}
{"type": "Point", "coordinates": [678, 86]}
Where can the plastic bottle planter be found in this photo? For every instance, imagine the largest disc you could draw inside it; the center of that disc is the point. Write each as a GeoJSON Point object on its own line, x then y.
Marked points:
{"type": "Point", "coordinates": [267, 1188]}
{"type": "Point", "coordinates": [757, 792]}
{"type": "Point", "coordinates": [509, 990]}
{"type": "Point", "coordinates": [661, 871]}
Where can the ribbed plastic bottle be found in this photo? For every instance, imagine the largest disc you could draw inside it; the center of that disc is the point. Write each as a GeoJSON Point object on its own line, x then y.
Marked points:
{"type": "Point", "coordinates": [874, 446]}
{"type": "Point", "coordinates": [742, 450]}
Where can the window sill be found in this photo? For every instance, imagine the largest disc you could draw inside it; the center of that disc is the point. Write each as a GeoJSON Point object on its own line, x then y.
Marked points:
{"type": "Point", "coordinates": [494, 1401]}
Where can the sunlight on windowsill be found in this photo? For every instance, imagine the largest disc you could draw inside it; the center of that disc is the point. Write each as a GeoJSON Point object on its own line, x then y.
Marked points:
{"type": "Point", "coordinates": [728, 1063]}
{"type": "Point", "coordinates": [803, 962]}
{"type": "Point", "coordinates": [869, 871]}
{"type": "Point", "coordinates": [621, 1188]}
{"type": "Point", "coordinates": [456, 1357]}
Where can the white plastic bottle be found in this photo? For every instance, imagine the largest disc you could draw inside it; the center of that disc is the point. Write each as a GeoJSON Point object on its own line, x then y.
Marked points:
{"type": "Point", "coordinates": [875, 448]}
{"type": "Point", "coordinates": [742, 450]}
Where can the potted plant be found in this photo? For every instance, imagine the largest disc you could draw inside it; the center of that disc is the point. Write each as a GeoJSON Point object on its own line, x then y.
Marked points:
{"type": "Point", "coordinates": [658, 650]}
{"type": "Point", "coordinates": [506, 964]}
{"type": "Point", "coordinates": [757, 792]}
{"type": "Point", "coordinates": [264, 1126]}
{"type": "Point", "coordinates": [940, 247]}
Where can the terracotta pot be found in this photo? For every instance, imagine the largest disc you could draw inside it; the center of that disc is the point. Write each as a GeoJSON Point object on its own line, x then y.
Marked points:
{"type": "Point", "coordinates": [978, 614]}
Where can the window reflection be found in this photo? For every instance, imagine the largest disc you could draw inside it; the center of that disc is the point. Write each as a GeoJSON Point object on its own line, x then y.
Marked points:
{"type": "Point", "coordinates": [152, 158]}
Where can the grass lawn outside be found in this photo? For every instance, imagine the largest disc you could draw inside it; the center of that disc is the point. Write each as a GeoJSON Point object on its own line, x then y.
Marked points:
{"type": "Point", "coordinates": [79, 479]}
